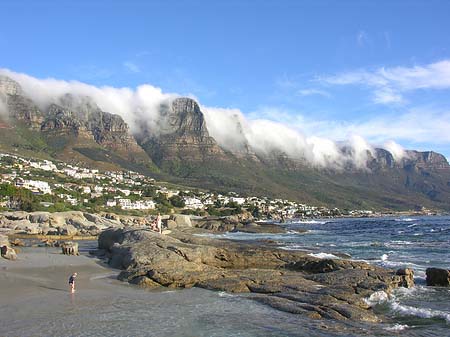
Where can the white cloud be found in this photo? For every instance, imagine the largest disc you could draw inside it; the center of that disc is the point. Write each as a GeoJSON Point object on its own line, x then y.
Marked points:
{"type": "Point", "coordinates": [133, 67]}
{"type": "Point", "coordinates": [397, 151]}
{"type": "Point", "coordinates": [311, 92]}
{"type": "Point", "coordinates": [362, 38]}
{"type": "Point", "coordinates": [139, 107]}
{"type": "Point", "coordinates": [266, 130]}
{"type": "Point", "coordinates": [390, 84]}
{"type": "Point", "coordinates": [386, 95]}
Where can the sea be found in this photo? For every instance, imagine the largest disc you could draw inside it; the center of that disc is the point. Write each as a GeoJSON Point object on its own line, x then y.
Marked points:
{"type": "Point", "coordinates": [392, 242]}
{"type": "Point", "coordinates": [104, 306]}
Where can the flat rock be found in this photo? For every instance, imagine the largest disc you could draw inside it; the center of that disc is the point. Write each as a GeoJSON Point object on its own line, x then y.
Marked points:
{"type": "Point", "coordinates": [289, 281]}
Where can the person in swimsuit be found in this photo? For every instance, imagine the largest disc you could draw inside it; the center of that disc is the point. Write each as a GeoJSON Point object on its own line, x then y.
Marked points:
{"type": "Point", "coordinates": [72, 282]}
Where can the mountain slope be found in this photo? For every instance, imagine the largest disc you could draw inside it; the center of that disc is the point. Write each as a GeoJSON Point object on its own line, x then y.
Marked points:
{"type": "Point", "coordinates": [188, 153]}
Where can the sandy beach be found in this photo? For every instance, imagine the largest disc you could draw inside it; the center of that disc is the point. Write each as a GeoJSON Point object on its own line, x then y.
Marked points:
{"type": "Point", "coordinates": [36, 302]}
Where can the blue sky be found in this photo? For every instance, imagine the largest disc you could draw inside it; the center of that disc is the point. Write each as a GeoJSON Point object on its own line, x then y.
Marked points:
{"type": "Point", "coordinates": [379, 69]}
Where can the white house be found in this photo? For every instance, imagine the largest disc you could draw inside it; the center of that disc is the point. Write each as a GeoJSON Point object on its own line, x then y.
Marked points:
{"type": "Point", "coordinates": [193, 203]}
{"type": "Point", "coordinates": [237, 200]}
{"type": "Point", "coordinates": [111, 203]}
{"type": "Point", "coordinates": [35, 186]}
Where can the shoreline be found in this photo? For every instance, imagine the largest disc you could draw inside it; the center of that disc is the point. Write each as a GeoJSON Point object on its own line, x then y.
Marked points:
{"type": "Point", "coordinates": [36, 301]}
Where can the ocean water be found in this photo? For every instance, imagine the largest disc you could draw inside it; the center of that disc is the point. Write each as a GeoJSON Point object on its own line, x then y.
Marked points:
{"type": "Point", "coordinates": [413, 242]}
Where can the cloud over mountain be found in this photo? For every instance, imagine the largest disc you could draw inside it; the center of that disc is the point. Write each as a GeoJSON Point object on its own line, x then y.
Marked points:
{"type": "Point", "coordinates": [141, 108]}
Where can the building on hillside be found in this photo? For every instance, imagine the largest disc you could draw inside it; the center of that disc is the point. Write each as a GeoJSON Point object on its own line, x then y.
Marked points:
{"type": "Point", "coordinates": [237, 200]}
{"type": "Point", "coordinates": [36, 186]}
{"type": "Point", "coordinates": [127, 204]}
{"type": "Point", "coordinates": [46, 165]}
{"type": "Point", "coordinates": [111, 203]}
{"type": "Point", "coordinates": [193, 203]}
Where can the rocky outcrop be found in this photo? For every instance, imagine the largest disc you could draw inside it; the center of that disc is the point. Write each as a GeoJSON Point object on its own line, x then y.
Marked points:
{"type": "Point", "coordinates": [60, 223]}
{"type": "Point", "coordinates": [6, 251]}
{"type": "Point", "coordinates": [288, 281]}
{"type": "Point", "coordinates": [81, 117]}
{"type": "Point", "coordinates": [183, 135]}
{"type": "Point", "coordinates": [228, 225]}
{"type": "Point", "coordinates": [427, 160]}
{"type": "Point", "coordinates": [438, 277]}
{"type": "Point", "coordinates": [70, 248]}
{"type": "Point", "coordinates": [71, 122]}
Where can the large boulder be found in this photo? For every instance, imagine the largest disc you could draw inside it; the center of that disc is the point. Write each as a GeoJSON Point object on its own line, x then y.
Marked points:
{"type": "Point", "coordinates": [69, 230]}
{"type": "Point", "coordinates": [26, 226]}
{"type": "Point", "coordinates": [170, 224]}
{"type": "Point", "coordinates": [406, 277]}
{"type": "Point", "coordinates": [438, 277]}
{"type": "Point", "coordinates": [39, 217]}
{"type": "Point", "coordinates": [102, 222]}
{"type": "Point", "coordinates": [14, 216]}
{"type": "Point", "coordinates": [182, 220]}
{"type": "Point", "coordinates": [70, 248]}
{"type": "Point", "coordinates": [6, 251]}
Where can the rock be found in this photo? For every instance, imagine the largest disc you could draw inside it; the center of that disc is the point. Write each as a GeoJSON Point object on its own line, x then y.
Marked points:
{"type": "Point", "coordinates": [18, 243]}
{"type": "Point", "coordinates": [406, 277]}
{"type": "Point", "coordinates": [438, 277]}
{"type": "Point", "coordinates": [170, 224]}
{"type": "Point", "coordinates": [68, 230]}
{"type": "Point", "coordinates": [49, 243]}
{"type": "Point", "coordinates": [182, 220]}
{"type": "Point", "coordinates": [286, 280]}
{"type": "Point", "coordinates": [14, 216]}
{"type": "Point", "coordinates": [39, 217]}
{"type": "Point", "coordinates": [144, 281]}
{"type": "Point", "coordinates": [8, 253]}
{"type": "Point", "coordinates": [216, 226]}
{"type": "Point", "coordinates": [101, 222]}
{"type": "Point", "coordinates": [4, 241]}
{"type": "Point", "coordinates": [5, 248]}
{"type": "Point", "coordinates": [70, 248]}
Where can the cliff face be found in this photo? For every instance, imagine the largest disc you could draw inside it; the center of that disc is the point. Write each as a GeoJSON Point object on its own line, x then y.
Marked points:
{"type": "Point", "coordinates": [19, 106]}
{"type": "Point", "coordinates": [425, 160]}
{"type": "Point", "coordinates": [81, 117]}
{"type": "Point", "coordinates": [76, 118]}
{"type": "Point", "coordinates": [183, 135]}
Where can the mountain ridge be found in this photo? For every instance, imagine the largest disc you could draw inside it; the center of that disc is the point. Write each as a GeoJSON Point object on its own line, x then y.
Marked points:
{"type": "Point", "coordinates": [182, 150]}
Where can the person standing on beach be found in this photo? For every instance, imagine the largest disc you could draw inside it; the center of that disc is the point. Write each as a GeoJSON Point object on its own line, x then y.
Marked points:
{"type": "Point", "coordinates": [72, 282]}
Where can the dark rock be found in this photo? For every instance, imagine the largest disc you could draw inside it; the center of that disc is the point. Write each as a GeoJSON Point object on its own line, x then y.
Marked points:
{"type": "Point", "coordinates": [438, 277]}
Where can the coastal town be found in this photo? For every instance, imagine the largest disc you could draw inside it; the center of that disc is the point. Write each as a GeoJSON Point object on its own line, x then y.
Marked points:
{"type": "Point", "coordinates": [44, 185]}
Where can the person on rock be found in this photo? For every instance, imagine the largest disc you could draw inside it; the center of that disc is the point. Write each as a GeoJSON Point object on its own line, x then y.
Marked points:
{"type": "Point", "coordinates": [158, 222]}
{"type": "Point", "coordinates": [72, 282]}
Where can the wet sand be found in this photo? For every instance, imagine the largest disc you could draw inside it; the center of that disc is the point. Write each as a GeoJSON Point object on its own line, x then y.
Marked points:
{"type": "Point", "coordinates": [35, 301]}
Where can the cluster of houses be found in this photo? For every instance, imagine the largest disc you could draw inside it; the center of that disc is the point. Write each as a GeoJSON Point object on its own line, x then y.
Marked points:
{"type": "Point", "coordinates": [124, 189]}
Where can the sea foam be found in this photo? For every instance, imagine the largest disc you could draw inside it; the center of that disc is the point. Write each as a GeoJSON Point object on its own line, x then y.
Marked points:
{"type": "Point", "coordinates": [324, 255]}
{"type": "Point", "coordinates": [407, 310]}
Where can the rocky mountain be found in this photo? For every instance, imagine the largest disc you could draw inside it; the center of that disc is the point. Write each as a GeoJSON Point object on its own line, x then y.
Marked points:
{"type": "Point", "coordinates": [183, 135]}
{"type": "Point", "coordinates": [181, 150]}
{"type": "Point", "coordinates": [71, 128]}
